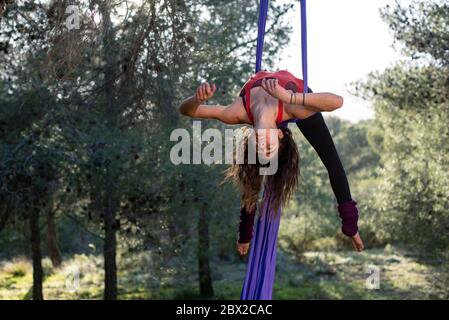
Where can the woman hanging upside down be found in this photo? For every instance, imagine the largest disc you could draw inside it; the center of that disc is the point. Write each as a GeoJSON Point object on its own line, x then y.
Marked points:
{"type": "Point", "coordinates": [265, 102]}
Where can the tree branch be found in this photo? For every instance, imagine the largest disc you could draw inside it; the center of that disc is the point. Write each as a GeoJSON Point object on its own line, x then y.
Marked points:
{"type": "Point", "coordinates": [270, 29]}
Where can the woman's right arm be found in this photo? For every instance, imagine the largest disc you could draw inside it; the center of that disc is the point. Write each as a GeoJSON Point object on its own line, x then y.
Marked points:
{"type": "Point", "coordinates": [193, 107]}
{"type": "Point", "coordinates": [189, 107]}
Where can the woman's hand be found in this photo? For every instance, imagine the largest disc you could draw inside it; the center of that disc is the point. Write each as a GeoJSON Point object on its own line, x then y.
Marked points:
{"type": "Point", "coordinates": [272, 87]}
{"type": "Point", "coordinates": [357, 242]}
{"type": "Point", "coordinates": [242, 248]}
{"type": "Point", "coordinates": [205, 91]}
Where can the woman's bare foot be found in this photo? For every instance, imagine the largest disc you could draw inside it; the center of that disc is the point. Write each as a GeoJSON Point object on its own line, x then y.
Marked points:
{"type": "Point", "coordinates": [357, 242]}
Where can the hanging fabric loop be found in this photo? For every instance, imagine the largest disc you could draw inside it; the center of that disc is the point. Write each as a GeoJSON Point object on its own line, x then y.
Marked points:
{"type": "Point", "coordinates": [305, 75]}
{"type": "Point", "coordinates": [263, 12]}
{"type": "Point", "coordinates": [261, 267]}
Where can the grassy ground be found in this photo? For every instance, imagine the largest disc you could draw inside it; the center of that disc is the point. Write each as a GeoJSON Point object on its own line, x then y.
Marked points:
{"type": "Point", "coordinates": [319, 275]}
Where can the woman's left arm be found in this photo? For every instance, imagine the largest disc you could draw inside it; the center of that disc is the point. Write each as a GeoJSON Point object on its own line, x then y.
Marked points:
{"type": "Point", "coordinates": [323, 101]}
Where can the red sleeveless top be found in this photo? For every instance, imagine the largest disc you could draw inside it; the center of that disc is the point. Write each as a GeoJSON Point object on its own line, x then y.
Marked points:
{"type": "Point", "coordinates": [286, 80]}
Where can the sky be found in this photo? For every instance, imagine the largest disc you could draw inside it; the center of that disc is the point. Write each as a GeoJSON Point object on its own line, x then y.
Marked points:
{"type": "Point", "coordinates": [346, 40]}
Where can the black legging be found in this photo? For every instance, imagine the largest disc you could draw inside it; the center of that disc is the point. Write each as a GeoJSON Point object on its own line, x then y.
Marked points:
{"type": "Point", "coordinates": [316, 132]}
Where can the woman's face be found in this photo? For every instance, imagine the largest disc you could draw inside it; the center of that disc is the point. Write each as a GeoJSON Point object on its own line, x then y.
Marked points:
{"type": "Point", "coordinates": [268, 135]}
{"type": "Point", "coordinates": [268, 140]}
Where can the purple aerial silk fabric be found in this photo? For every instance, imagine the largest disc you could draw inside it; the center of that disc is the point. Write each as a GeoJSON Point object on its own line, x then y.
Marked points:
{"type": "Point", "coordinates": [263, 11]}
{"type": "Point", "coordinates": [305, 74]}
{"type": "Point", "coordinates": [261, 268]}
{"type": "Point", "coordinates": [260, 272]}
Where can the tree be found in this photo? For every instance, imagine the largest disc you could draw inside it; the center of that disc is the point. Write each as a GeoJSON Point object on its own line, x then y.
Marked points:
{"type": "Point", "coordinates": [107, 102]}
{"type": "Point", "coordinates": [410, 130]}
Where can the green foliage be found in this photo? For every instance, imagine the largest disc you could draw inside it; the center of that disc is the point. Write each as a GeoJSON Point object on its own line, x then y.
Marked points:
{"type": "Point", "coordinates": [421, 28]}
{"type": "Point", "coordinates": [410, 131]}
{"type": "Point", "coordinates": [88, 113]}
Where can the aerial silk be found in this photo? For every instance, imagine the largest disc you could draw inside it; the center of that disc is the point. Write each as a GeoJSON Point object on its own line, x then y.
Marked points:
{"type": "Point", "coordinates": [261, 268]}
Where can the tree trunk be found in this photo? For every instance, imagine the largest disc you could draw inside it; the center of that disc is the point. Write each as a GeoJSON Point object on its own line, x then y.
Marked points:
{"type": "Point", "coordinates": [4, 213]}
{"type": "Point", "coordinates": [205, 279]}
{"type": "Point", "coordinates": [36, 255]}
{"type": "Point", "coordinates": [110, 241]}
{"type": "Point", "coordinates": [52, 241]}
{"type": "Point", "coordinates": [110, 244]}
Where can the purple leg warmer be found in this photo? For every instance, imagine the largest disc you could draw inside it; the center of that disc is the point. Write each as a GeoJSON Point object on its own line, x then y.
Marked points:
{"type": "Point", "coordinates": [349, 217]}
